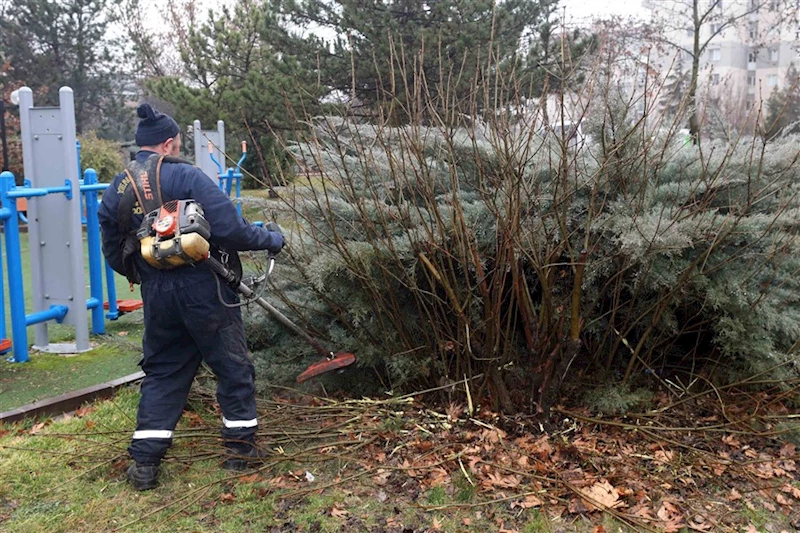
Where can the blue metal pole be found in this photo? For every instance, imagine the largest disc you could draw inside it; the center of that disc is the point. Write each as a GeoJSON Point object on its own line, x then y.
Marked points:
{"type": "Point", "coordinates": [238, 177]}
{"type": "Point", "coordinates": [56, 312]}
{"type": "Point", "coordinates": [228, 181]}
{"type": "Point", "coordinates": [4, 214]}
{"type": "Point", "coordinates": [219, 165]}
{"type": "Point", "coordinates": [16, 293]}
{"type": "Point", "coordinates": [80, 173]}
{"type": "Point", "coordinates": [95, 253]}
{"type": "Point", "coordinates": [113, 312]}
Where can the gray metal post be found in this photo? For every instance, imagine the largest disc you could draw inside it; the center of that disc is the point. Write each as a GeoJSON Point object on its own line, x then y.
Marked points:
{"type": "Point", "coordinates": [201, 154]}
{"type": "Point", "coordinates": [197, 133]}
{"type": "Point", "coordinates": [77, 279]}
{"type": "Point", "coordinates": [221, 134]}
{"type": "Point", "coordinates": [54, 222]}
{"type": "Point", "coordinates": [34, 240]}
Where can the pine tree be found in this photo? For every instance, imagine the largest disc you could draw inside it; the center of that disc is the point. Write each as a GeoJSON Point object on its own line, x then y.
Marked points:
{"type": "Point", "coordinates": [381, 45]}
{"type": "Point", "coordinates": [53, 43]}
{"type": "Point", "coordinates": [674, 91]}
{"type": "Point", "coordinates": [783, 107]}
{"type": "Point", "coordinates": [234, 74]}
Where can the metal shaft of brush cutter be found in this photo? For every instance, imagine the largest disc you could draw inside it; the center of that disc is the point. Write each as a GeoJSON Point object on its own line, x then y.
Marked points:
{"type": "Point", "coordinates": [248, 293]}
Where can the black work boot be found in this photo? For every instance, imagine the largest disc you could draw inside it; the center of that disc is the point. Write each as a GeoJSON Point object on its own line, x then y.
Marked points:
{"type": "Point", "coordinates": [242, 456]}
{"type": "Point", "coordinates": [143, 476]}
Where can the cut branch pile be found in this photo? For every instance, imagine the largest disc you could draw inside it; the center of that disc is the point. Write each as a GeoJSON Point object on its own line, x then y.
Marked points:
{"type": "Point", "coordinates": [653, 470]}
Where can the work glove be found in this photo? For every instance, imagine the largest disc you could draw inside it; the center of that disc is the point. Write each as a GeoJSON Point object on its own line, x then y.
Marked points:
{"type": "Point", "coordinates": [277, 238]}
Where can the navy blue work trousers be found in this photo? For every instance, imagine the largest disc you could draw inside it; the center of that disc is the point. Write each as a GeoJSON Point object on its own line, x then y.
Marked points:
{"type": "Point", "coordinates": [185, 323]}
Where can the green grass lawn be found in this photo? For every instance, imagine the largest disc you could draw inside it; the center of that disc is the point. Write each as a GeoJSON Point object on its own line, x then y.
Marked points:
{"type": "Point", "coordinates": [114, 355]}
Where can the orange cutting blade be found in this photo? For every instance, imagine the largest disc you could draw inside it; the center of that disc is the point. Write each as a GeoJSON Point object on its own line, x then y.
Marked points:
{"type": "Point", "coordinates": [339, 360]}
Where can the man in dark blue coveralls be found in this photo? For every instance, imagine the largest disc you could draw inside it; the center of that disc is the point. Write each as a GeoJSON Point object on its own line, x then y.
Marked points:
{"type": "Point", "coordinates": [184, 321]}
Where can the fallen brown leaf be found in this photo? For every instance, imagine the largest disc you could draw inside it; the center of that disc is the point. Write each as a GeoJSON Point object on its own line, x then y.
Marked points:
{"type": "Point", "coordinates": [699, 525]}
{"type": "Point", "coordinates": [601, 495]}
{"type": "Point", "coordinates": [734, 495]}
{"type": "Point", "coordinates": [382, 477]}
{"type": "Point", "coordinates": [671, 516]}
{"type": "Point", "coordinates": [339, 513]}
{"type": "Point", "coordinates": [664, 457]}
{"type": "Point", "coordinates": [531, 500]}
{"type": "Point", "coordinates": [39, 427]}
{"type": "Point", "coordinates": [85, 410]}
{"type": "Point", "coordinates": [791, 489]}
{"type": "Point", "coordinates": [788, 450]}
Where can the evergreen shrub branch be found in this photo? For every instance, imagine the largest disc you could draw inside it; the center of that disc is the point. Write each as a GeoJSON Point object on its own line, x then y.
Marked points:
{"type": "Point", "coordinates": [451, 234]}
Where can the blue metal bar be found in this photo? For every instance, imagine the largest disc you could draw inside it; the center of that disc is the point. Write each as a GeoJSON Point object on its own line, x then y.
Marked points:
{"type": "Point", "coordinates": [95, 252]}
{"type": "Point", "coordinates": [228, 181]}
{"type": "Point", "coordinates": [238, 177]}
{"type": "Point", "coordinates": [83, 206]}
{"type": "Point", "coordinates": [113, 312]}
{"type": "Point", "coordinates": [22, 218]}
{"type": "Point", "coordinates": [24, 192]}
{"type": "Point", "coordinates": [4, 214]}
{"type": "Point", "coordinates": [16, 295]}
{"type": "Point", "coordinates": [214, 160]}
{"type": "Point", "coordinates": [80, 173]}
{"type": "Point", "coordinates": [66, 189]}
{"type": "Point", "coordinates": [94, 304]}
{"type": "Point", "coordinates": [241, 160]}
{"type": "Point", "coordinates": [56, 312]}
{"type": "Point", "coordinates": [94, 187]}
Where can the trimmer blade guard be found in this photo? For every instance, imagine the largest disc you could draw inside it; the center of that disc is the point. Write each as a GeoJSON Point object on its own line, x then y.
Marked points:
{"type": "Point", "coordinates": [339, 360]}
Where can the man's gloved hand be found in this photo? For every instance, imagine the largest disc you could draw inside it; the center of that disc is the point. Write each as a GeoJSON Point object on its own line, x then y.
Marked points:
{"type": "Point", "coordinates": [277, 238]}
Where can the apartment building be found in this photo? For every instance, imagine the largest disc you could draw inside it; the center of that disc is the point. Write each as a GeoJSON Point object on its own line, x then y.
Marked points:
{"type": "Point", "coordinates": [749, 45]}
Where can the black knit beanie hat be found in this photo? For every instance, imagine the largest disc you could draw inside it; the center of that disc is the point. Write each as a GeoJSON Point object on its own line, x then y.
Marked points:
{"type": "Point", "coordinates": [154, 127]}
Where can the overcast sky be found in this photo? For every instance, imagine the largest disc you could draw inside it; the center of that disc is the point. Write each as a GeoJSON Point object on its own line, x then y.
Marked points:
{"type": "Point", "coordinates": [577, 11]}
{"type": "Point", "coordinates": [586, 10]}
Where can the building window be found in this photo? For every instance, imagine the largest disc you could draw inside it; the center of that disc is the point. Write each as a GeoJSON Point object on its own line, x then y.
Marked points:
{"type": "Point", "coordinates": [715, 79]}
{"type": "Point", "coordinates": [717, 4]}
{"type": "Point", "coordinates": [754, 5]}
{"type": "Point", "coordinates": [773, 54]}
{"type": "Point", "coordinates": [714, 27]}
{"type": "Point", "coordinates": [772, 80]}
{"type": "Point", "coordinates": [774, 5]}
{"type": "Point", "coordinates": [752, 56]}
{"type": "Point", "coordinates": [751, 80]}
{"type": "Point", "coordinates": [716, 54]}
{"type": "Point", "coordinates": [753, 32]}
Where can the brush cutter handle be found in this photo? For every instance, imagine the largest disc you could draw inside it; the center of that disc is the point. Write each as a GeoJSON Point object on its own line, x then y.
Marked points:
{"type": "Point", "coordinates": [248, 293]}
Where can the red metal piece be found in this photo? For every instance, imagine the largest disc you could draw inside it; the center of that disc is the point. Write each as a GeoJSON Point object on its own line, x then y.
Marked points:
{"type": "Point", "coordinates": [5, 345]}
{"type": "Point", "coordinates": [339, 360]}
{"type": "Point", "coordinates": [126, 306]}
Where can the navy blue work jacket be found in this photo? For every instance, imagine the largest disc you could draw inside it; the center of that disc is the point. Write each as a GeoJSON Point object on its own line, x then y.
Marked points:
{"type": "Point", "coordinates": [229, 231]}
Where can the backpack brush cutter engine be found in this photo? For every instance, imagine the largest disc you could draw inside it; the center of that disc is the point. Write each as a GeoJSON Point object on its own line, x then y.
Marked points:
{"type": "Point", "coordinates": [177, 234]}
